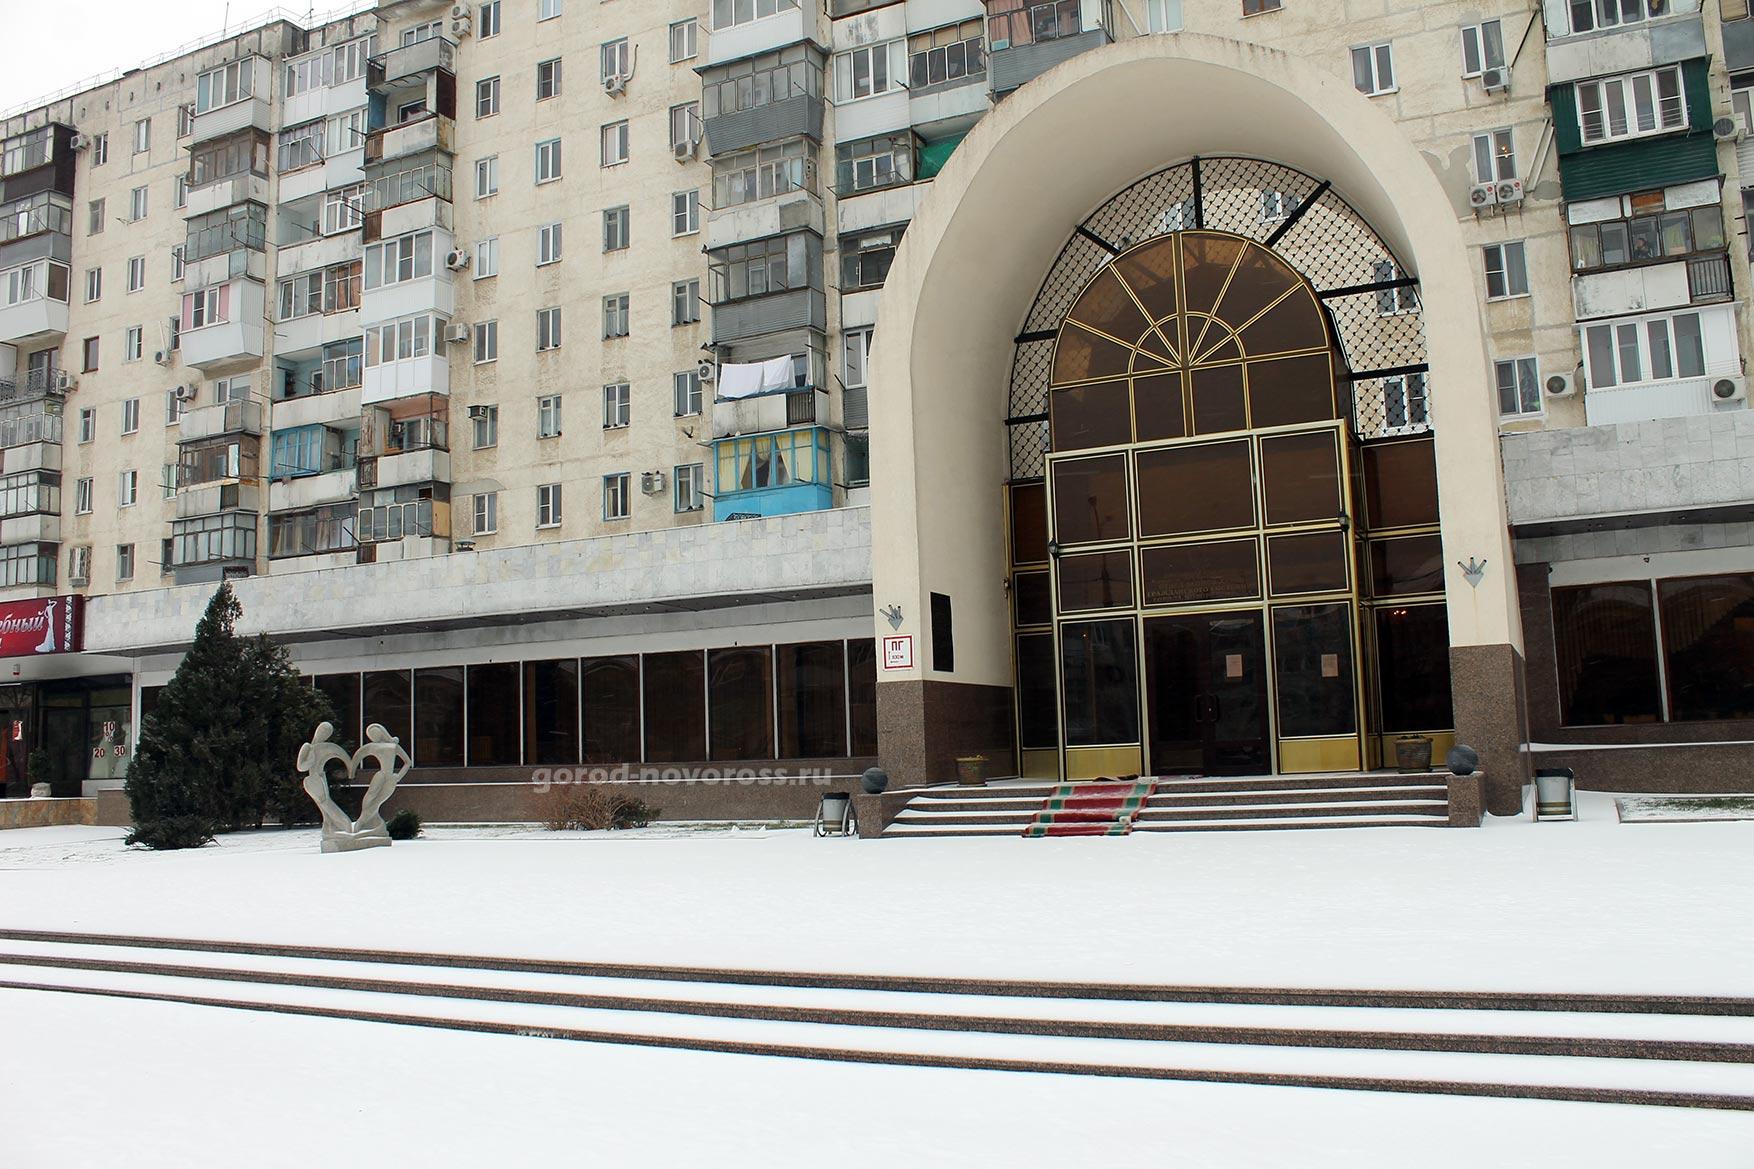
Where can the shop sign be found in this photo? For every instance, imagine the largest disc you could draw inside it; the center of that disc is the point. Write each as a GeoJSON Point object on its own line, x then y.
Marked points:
{"type": "Point", "coordinates": [51, 625]}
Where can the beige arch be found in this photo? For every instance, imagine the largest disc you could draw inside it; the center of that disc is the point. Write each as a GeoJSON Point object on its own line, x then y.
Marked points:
{"type": "Point", "coordinates": [970, 265]}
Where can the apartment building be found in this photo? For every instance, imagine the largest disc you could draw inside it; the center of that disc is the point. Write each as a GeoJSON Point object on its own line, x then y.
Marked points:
{"type": "Point", "coordinates": [516, 361]}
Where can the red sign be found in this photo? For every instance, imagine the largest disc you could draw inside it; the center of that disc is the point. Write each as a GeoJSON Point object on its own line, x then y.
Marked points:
{"type": "Point", "coordinates": [53, 625]}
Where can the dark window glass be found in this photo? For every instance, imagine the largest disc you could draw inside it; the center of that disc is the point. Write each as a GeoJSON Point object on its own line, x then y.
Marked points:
{"type": "Point", "coordinates": [387, 701]}
{"type": "Point", "coordinates": [1034, 597]}
{"type": "Point", "coordinates": [1090, 500]}
{"type": "Point", "coordinates": [1029, 523]}
{"type": "Point", "coordinates": [1038, 707]}
{"type": "Point", "coordinates": [1297, 389]}
{"type": "Point", "coordinates": [1102, 687]}
{"type": "Point", "coordinates": [551, 711]}
{"type": "Point", "coordinates": [740, 702]}
{"type": "Point", "coordinates": [1314, 563]}
{"type": "Point", "coordinates": [1105, 306]}
{"type": "Point", "coordinates": [812, 699]}
{"type": "Point", "coordinates": [1605, 639]}
{"type": "Point", "coordinates": [493, 715]}
{"type": "Point", "coordinates": [1150, 273]}
{"type": "Point", "coordinates": [1203, 488]}
{"type": "Point", "coordinates": [943, 635]}
{"type": "Point", "coordinates": [862, 694]}
{"type": "Point", "coordinates": [1158, 406]}
{"type": "Point", "coordinates": [1092, 416]}
{"type": "Point", "coordinates": [1412, 654]}
{"type": "Point", "coordinates": [1218, 402]}
{"type": "Point", "coordinates": [438, 717]}
{"type": "Point", "coordinates": [1400, 483]}
{"type": "Point", "coordinates": [1080, 355]}
{"type": "Point", "coordinates": [343, 693]}
{"type": "Point", "coordinates": [1312, 647]}
{"type": "Point", "coordinates": [1206, 264]}
{"type": "Point", "coordinates": [1708, 640]}
{"type": "Point", "coordinates": [1413, 564]}
{"type": "Point", "coordinates": [1302, 473]}
{"type": "Point", "coordinates": [1097, 580]}
{"type": "Point", "coordinates": [611, 687]}
{"type": "Point", "coordinates": [675, 693]}
{"type": "Point", "coordinates": [1182, 573]}
{"type": "Point", "coordinates": [1292, 324]}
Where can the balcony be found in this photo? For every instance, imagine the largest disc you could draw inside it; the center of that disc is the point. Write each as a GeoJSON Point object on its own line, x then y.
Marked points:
{"type": "Point", "coordinates": [428, 465]}
{"type": "Point", "coordinates": [410, 60]}
{"type": "Point", "coordinates": [322, 102]}
{"type": "Point", "coordinates": [1702, 279]}
{"type": "Point", "coordinates": [313, 331]}
{"type": "Point", "coordinates": [234, 342]}
{"type": "Point", "coordinates": [786, 27]}
{"type": "Point", "coordinates": [31, 529]}
{"type": "Point", "coordinates": [776, 312]}
{"type": "Point", "coordinates": [213, 498]}
{"type": "Point", "coordinates": [951, 108]}
{"type": "Point", "coordinates": [1650, 401]}
{"type": "Point", "coordinates": [786, 117]}
{"type": "Point", "coordinates": [42, 454]}
{"type": "Point", "coordinates": [250, 113]}
{"type": "Point", "coordinates": [316, 409]}
{"type": "Point", "coordinates": [1626, 48]}
{"type": "Point", "coordinates": [428, 132]}
{"type": "Point", "coordinates": [770, 411]}
{"type": "Point", "coordinates": [868, 117]}
{"type": "Point", "coordinates": [243, 188]}
{"type": "Point", "coordinates": [223, 418]}
{"type": "Point", "coordinates": [793, 210]}
{"type": "Point", "coordinates": [1010, 65]}
{"type": "Point", "coordinates": [41, 319]}
{"type": "Point", "coordinates": [306, 491]}
{"type": "Point", "coordinates": [390, 380]}
{"type": "Point", "coordinates": [884, 207]}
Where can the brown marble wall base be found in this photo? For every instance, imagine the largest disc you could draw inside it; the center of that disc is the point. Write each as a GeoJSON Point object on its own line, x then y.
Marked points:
{"type": "Point", "coordinates": [29, 813]}
{"type": "Point", "coordinates": [923, 726]}
{"type": "Point", "coordinates": [1705, 769]}
{"type": "Point", "coordinates": [878, 812]}
{"type": "Point", "coordinates": [113, 810]}
{"type": "Point", "coordinates": [1467, 800]}
{"type": "Point", "coordinates": [1491, 711]}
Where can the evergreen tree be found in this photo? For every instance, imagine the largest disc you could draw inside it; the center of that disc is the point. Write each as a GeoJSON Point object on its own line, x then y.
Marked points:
{"type": "Point", "coordinates": [218, 750]}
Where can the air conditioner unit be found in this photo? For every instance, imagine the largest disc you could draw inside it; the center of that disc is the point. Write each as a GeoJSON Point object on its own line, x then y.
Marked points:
{"type": "Point", "coordinates": [651, 482]}
{"type": "Point", "coordinates": [1510, 191]}
{"type": "Point", "coordinates": [459, 26]}
{"type": "Point", "coordinates": [615, 85]}
{"type": "Point", "coordinates": [1730, 389]}
{"type": "Point", "coordinates": [161, 356]}
{"type": "Point", "coordinates": [1483, 195]}
{"type": "Point", "coordinates": [457, 259]}
{"type": "Point", "coordinates": [1496, 80]}
{"type": "Point", "coordinates": [63, 381]}
{"type": "Point", "coordinates": [79, 141]}
{"type": "Point", "coordinates": [459, 12]}
{"type": "Point", "coordinates": [479, 411]}
{"type": "Point", "coordinates": [708, 371]}
{"type": "Point", "coordinates": [1561, 385]}
{"type": "Point", "coordinates": [1727, 129]}
{"type": "Point", "coordinates": [684, 149]}
{"type": "Point", "coordinates": [456, 334]}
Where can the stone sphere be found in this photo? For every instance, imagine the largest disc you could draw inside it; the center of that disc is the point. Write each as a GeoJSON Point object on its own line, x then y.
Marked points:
{"type": "Point", "coordinates": [1462, 760]}
{"type": "Point", "coordinates": [875, 780]}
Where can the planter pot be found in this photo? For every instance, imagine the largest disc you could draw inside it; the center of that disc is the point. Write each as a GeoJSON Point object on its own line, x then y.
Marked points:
{"type": "Point", "coordinates": [39, 791]}
{"type": "Point", "coordinates": [971, 771]}
{"type": "Point", "coordinates": [1413, 753]}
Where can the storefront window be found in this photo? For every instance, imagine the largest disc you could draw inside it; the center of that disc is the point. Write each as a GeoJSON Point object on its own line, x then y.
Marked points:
{"type": "Point", "coordinates": [1412, 654]}
{"type": "Point", "coordinates": [675, 702]}
{"type": "Point", "coordinates": [611, 687]}
{"type": "Point", "coordinates": [1102, 683]}
{"type": "Point", "coordinates": [493, 715]}
{"type": "Point", "coordinates": [1605, 638]}
{"type": "Point", "coordinates": [1312, 645]}
{"type": "Point", "coordinates": [551, 711]}
{"type": "Point", "coordinates": [388, 701]}
{"type": "Point", "coordinates": [1038, 707]}
{"type": "Point", "coordinates": [812, 699]}
{"type": "Point", "coordinates": [1708, 646]}
{"type": "Point", "coordinates": [342, 691]}
{"type": "Point", "coordinates": [438, 717]}
{"type": "Point", "coordinates": [740, 702]}
{"type": "Point", "coordinates": [862, 694]}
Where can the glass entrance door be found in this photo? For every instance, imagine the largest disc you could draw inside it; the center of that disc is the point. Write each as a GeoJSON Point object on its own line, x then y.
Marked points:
{"type": "Point", "coordinates": [1206, 694]}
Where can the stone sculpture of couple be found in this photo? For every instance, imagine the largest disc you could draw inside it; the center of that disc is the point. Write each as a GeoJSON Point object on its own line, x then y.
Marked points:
{"type": "Point", "coordinates": [339, 833]}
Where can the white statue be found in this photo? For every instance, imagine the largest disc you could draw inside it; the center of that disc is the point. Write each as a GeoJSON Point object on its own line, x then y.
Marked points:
{"type": "Point", "coordinates": [339, 833]}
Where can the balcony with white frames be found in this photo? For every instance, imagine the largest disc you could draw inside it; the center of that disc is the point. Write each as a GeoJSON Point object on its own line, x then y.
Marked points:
{"type": "Point", "coordinates": [40, 319]}
{"type": "Point", "coordinates": [788, 26]}
{"type": "Point", "coordinates": [427, 465]}
{"type": "Point", "coordinates": [1623, 48]}
{"type": "Point", "coordinates": [247, 113]}
{"type": "Point", "coordinates": [244, 188]}
{"type": "Point", "coordinates": [412, 376]}
{"type": "Point", "coordinates": [239, 340]}
{"type": "Point", "coordinates": [405, 61]}
{"type": "Point", "coordinates": [309, 333]}
{"type": "Point", "coordinates": [1691, 280]}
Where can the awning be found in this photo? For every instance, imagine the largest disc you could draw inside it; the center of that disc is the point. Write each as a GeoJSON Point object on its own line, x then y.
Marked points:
{"type": "Point", "coordinates": [933, 155]}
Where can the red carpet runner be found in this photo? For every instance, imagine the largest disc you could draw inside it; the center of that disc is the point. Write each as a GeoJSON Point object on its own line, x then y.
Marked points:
{"type": "Point", "coordinates": [1099, 808]}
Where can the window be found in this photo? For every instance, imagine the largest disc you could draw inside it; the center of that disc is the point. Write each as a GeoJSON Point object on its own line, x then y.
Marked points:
{"type": "Point", "coordinates": [615, 228]}
{"type": "Point", "coordinates": [869, 70]}
{"type": "Point", "coordinates": [1647, 238]}
{"type": "Point", "coordinates": [136, 273]}
{"type": "Point", "coordinates": [344, 363]}
{"type": "Point", "coordinates": [232, 389]}
{"type": "Point", "coordinates": [746, 270]}
{"type": "Point", "coordinates": [614, 56]}
{"type": "Point", "coordinates": [1163, 15]}
{"type": "Point", "coordinates": [1373, 69]}
{"type": "Point", "coordinates": [341, 286]}
{"type": "Point", "coordinates": [1256, 7]}
{"type": "Point", "coordinates": [950, 53]}
{"type": "Point", "coordinates": [185, 120]}
{"type": "Point", "coordinates": [1631, 106]}
{"type": "Point", "coordinates": [100, 149]}
{"type": "Point", "coordinates": [616, 405]}
{"type": "Point", "coordinates": [686, 385]}
{"type": "Point", "coordinates": [1018, 22]}
{"type": "Point", "coordinates": [548, 79]}
{"type": "Point", "coordinates": [1494, 156]}
{"type": "Point", "coordinates": [685, 127]}
{"type": "Point", "coordinates": [223, 86]}
{"type": "Point", "coordinates": [1652, 349]}
{"type": "Point", "coordinates": [548, 505]}
{"type": "Point", "coordinates": [548, 416]}
{"type": "Point", "coordinates": [871, 163]}
{"type": "Point", "coordinates": [549, 9]}
{"type": "Point", "coordinates": [1482, 47]}
{"type": "Point", "coordinates": [1507, 274]}
{"type": "Point", "coordinates": [136, 204]}
{"type": "Point", "coordinates": [302, 146]}
{"type": "Point", "coordinates": [94, 284]}
{"type": "Point", "coordinates": [399, 260]}
{"type": "Point", "coordinates": [753, 82]}
{"type": "Point", "coordinates": [124, 562]}
{"type": "Point", "coordinates": [90, 355]}
{"type": "Point", "coordinates": [87, 424]}
{"type": "Point", "coordinates": [1274, 205]}
{"type": "Point", "coordinates": [486, 341]}
{"type": "Point", "coordinates": [688, 479]}
{"type": "Point", "coordinates": [400, 340]}
{"type": "Point", "coordinates": [855, 358]}
{"type": "Point", "coordinates": [96, 224]}
{"type": "Point", "coordinates": [684, 40]}
{"type": "Point", "coordinates": [83, 497]}
{"type": "Point", "coordinates": [547, 329]}
{"type": "Point", "coordinates": [1405, 407]}
{"type": "Point", "coordinates": [685, 302]}
{"type": "Point", "coordinates": [222, 158]}
{"type": "Point", "coordinates": [420, 33]}
{"type": "Point", "coordinates": [176, 263]}
{"type": "Point", "coordinates": [548, 160]}
{"type": "Point", "coordinates": [1589, 15]}
{"type": "Point", "coordinates": [730, 13]}
{"type": "Point", "coordinates": [616, 496]}
{"type": "Point", "coordinates": [133, 343]}
{"type": "Point", "coordinates": [615, 313]}
{"type": "Point", "coordinates": [548, 239]}
{"type": "Point", "coordinates": [489, 23]}
{"type": "Point", "coordinates": [301, 296]}
{"type": "Point", "coordinates": [485, 424]}
{"type": "Point", "coordinates": [1519, 387]}
{"type": "Point", "coordinates": [684, 212]}
{"type": "Point", "coordinates": [127, 488]}
{"type": "Point", "coordinates": [865, 259]}
{"type": "Point", "coordinates": [130, 415]}
{"type": "Point", "coordinates": [487, 176]}
{"type": "Point", "coordinates": [486, 508]}
{"type": "Point", "coordinates": [762, 173]}
{"type": "Point", "coordinates": [343, 209]}
{"type": "Point", "coordinates": [487, 97]}
{"type": "Point", "coordinates": [180, 192]}
{"type": "Point", "coordinates": [487, 257]}
{"type": "Point", "coordinates": [614, 144]}
{"type": "Point", "coordinates": [143, 136]}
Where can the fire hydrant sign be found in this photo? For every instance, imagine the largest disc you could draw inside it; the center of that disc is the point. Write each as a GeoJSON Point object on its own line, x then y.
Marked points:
{"type": "Point", "coordinates": [50, 625]}
{"type": "Point", "coordinates": [898, 652]}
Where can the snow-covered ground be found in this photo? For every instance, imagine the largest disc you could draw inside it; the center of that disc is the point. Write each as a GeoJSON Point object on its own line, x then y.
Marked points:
{"type": "Point", "coordinates": [1586, 906]}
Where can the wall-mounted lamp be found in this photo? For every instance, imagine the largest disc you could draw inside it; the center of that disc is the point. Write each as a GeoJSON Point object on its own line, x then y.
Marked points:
{"type": "Point", "coordinates": [1473, 571]}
